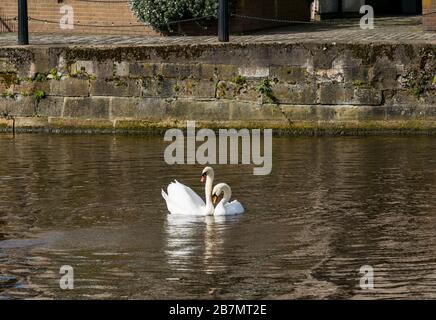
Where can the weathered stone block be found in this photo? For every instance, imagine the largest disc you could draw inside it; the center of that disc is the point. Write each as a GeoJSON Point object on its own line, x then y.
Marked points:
{"type": "Point", "coordinates": [295, 94]}
{"type": "Point", "coordinates": [80, 125]}
{"type": "Point", "coordinates": [144, 125]}
{"type": "Point", "coordinates": [232, 91]}
{"type": "Point", "coordinates": [291, 74]}
{"type": "Point", "coordinates": [5, 104]}
{"type": "Point", "coordinates": [31, 123]}
{"type": "Point", "coordinates": [7, 66]}
{"type": "Point", "coordinates": [299, 112]}
{"type": "Point", "coordinates": [90, 107]}
{"type": "Point", "coordinates": [194, 88]}
{"type": "Point", "coordinates": [50, 107]}
{"type": "Point", "coordinates": [218, 71]}
{"type": "Point", "coordinates": [336, 93]}
{"type": "Point", "coordinates": [300, 57]}
{"type": "Point", "coordinates": [239, 110]}
{"type": "Point", "coordinates": [6, 124]}
{"type": "Point", "coordinates": [121, 69]}
{"type": "Point", "coordinates": [103, 69]}
{"type": "Point", "coordinates": [357, 76]}
{"type": "Point", "coordinates": [18, 106]}
{"type": "Point", "coordinates": [41, 60]}
{"type": "Point", "coordinates": [429, 96]}
{"type": "Point", "coordinates": [158, 87]}
{"type": "Point", "coordinates": [140, 70]}
{"type": "Point", "coordinates": [26, 88]}
{"type": "Point", "coordinates": [7, 80]}
{"type": "Point", "coordinates": [335, 75]}
{"type": "Point", "coordinates": [227, 90]}
{"type": "Point", "coordinates": [406, 54]}
{"type": "Point", "coordinates": [176, 70]}
{"type": "Point", "coordinates": [138, 108]}
{"type": "Point", "coordinates": [411, 112]}
{"type": "Point", "coordinates": [82, 66]}
{"type": "Point", "coordinates": [324, 56]}
{"type": "Point", "coordinates": [3, 88]}
{"type": "Point", "coordinates": [409, 97]}
{"type": "Point", "coordinates": [188, 109]}
{"type": "Point", "coordinates": [333, 113]}
{"type": "Point", "coordinates": [400, 98]}
{"type": "Point", "coordinates": [254, 71]}
{"type": "Point", "coordinates": [117, 87]}
{"type": "Point", "coordinates": [384, 77]}
{"type": "Point", "coordinates": [367, 96]}
{"type": "Point", "coordinates": [358, 113]}
{"type": "Point", "coordinates": [69, 87]}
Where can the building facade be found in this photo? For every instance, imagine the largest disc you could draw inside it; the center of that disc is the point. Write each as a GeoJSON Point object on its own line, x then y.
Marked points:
{"type": "Point", "coordinates": [429, 14]}
{"type": "Point", "coordinates": [326, 8]}
{"type": "Point", "coordinates": [89, 16]}
{"type": "Point", "coordinates": [115, 16]}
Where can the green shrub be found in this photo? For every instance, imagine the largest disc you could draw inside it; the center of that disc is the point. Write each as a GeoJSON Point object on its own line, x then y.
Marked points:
{"type": "Point", "coordinates": [158, 13]}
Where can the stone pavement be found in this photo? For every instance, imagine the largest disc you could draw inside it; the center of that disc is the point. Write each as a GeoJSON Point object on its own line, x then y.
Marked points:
{"type": "Point", "coordinates": [387, 30]}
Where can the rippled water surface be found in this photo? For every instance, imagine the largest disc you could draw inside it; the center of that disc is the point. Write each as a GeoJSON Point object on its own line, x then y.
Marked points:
{"type": "Point", "coordinates": [330, 206]}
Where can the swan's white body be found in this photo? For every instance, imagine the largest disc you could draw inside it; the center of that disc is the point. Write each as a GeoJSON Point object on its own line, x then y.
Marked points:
{"type": "Point", "coordinates": [182, 200]}
{"type": "Point", "coordinates": [224, 207]}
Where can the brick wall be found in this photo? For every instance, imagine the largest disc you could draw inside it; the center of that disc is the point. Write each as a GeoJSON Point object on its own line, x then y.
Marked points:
{"type": "Point", "coordinates": [116, 12]}
{"type": "Point", "coordinates": [429, 20]}
{"type": "Point", "coordinates": [86, 12]}
{"type": "Point", "coordinates": [296, 10]}
{"type": "Point", "coordinates": [277, 9]}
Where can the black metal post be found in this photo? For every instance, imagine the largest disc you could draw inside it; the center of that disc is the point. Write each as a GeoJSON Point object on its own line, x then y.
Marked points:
{"type": "Point", "coordinates": [340, 8]}
{"type": "Point", "coordinates": [23, 23]}
{"type": "Point", "coordinates": [223, 21]}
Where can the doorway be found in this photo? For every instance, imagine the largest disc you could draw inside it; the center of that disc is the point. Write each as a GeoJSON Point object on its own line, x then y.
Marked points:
{"type": "Point", "coordinates": [396, 6]}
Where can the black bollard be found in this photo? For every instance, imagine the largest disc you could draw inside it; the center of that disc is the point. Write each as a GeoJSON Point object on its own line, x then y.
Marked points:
{"type": "Point", "coordinates": [223, 21]}
{"type": "Point", "coordinates": [23, 23]}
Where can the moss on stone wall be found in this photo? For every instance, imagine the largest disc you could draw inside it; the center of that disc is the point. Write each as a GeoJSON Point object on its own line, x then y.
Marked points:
{"type": "Point", "coordinates": [311, 88]}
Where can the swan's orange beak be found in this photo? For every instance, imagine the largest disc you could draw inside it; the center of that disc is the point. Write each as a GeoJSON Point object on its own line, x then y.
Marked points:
{"type": "Point", "coordinates": [203, 177]}
{"type": "Point", "coordinates": [214, 199]}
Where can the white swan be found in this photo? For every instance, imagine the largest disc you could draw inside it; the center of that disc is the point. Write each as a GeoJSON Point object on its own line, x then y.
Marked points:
{"type": "Point", "coordinates": [224, 207]}
{"type": "Point", "coordinates": [183, 200]}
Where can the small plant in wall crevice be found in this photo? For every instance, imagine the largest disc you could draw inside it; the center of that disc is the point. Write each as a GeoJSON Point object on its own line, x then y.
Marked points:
{"type": "Point", "coordinates": [239, 80]}
{"type": "Point", "coordinates": [265, 89]}
{"type": "Point", "coordinates": [54, 74]}
{"type": "Point", "coordinates": [39, 95]}
{"type": "Point", "coordinates": [38, 77]}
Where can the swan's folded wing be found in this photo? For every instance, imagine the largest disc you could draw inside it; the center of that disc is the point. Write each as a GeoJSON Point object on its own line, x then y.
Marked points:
{"type": "Point", "coordinates": [195, 197]}
{"type": "Point", "coordinates": [234, 207]}
{"type": "Point", "coordinates": [184, 198]}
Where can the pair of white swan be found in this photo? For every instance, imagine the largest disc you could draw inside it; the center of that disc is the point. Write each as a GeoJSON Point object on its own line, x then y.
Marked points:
{"type": "Point", "coordinates": [182, 200]}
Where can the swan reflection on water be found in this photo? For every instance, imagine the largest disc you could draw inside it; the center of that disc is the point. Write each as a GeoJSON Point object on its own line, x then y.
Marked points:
{"type": "Point", "coordinates": [197, 242]}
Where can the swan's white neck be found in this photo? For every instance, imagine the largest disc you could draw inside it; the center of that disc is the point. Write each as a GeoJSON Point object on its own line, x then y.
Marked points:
{"type": "Point", "coordinates": [208, 193]}
{"type": "Point", "coordinates": [227, 194]}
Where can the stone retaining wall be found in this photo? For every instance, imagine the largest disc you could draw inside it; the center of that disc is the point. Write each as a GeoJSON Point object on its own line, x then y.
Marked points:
{"type": "Point", "coordinates": [299, 88]}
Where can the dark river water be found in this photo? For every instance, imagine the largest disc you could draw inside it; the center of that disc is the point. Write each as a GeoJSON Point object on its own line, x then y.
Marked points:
{"type": "Point", "coordinates": [330, 206]}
